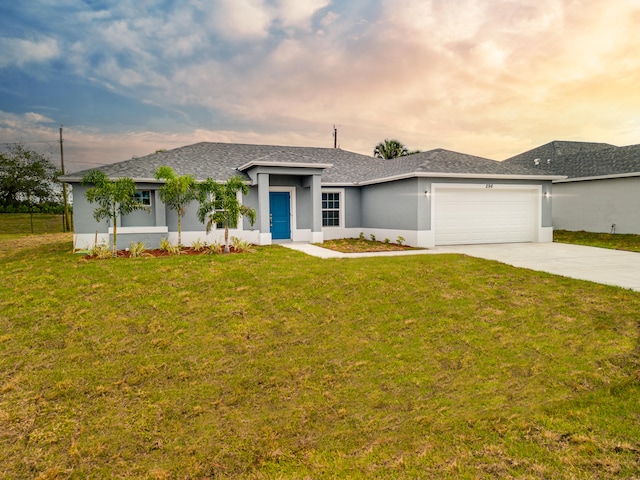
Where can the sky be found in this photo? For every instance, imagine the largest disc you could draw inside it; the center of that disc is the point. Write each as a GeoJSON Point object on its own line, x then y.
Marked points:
{"type": "Point", "coordinates": [491, 78]}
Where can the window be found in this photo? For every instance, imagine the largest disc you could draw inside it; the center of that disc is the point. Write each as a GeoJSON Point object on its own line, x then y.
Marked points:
{"type": "Point", "coordinates": [232, 223]}
{"type": "Point", "coordinates": [143, 197]}
{"type": "Point", "coordinates": [330, 209]}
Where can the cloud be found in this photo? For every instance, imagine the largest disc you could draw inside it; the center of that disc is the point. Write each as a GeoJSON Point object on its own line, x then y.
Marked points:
{"type": "Point", "coordinates": [19, 51]}
{"type": "Point", "coordinates": [469, 75]}
{"type": "Point", "coordinates": [240, 19]}
{"type": "Point", "coordinates": [294, 13]}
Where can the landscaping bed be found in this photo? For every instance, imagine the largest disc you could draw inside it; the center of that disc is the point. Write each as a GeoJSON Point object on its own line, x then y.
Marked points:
{"type": "Point", "coordinates": [361, 245]}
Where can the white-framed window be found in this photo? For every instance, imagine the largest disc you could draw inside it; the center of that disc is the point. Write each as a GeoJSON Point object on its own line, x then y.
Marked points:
{"type": "Point", "coordinates": [143, 197]}
{"type": "Point", "coordinates": [331, 208]}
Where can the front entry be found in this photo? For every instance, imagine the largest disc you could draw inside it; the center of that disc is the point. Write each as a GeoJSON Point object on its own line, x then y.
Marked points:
{"type": "Point", "coordinates": [280, 213]}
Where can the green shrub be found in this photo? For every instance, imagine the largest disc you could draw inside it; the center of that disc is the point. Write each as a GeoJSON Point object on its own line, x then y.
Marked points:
{"type": "Point", "coordinates": [387, 241]}
{"type": "Point", "coordinates": [169, 247]}
{"type": "Point", "coordinates": [216, 247]}
{"type": "Point", "coordinates": [198, 245]}
{"type": "Point", "coordinates": [136, 249]}
{"type": "Point", "coordinates": [102, 251]}
{"type": "Point", "coordinates": [361, 236]}
{"type": "Point", "coordinates": [240, 245]}
{"type": "Point", "coordinates": [400, 240]}
{"type": "Point", "coordinates": [373, 237]}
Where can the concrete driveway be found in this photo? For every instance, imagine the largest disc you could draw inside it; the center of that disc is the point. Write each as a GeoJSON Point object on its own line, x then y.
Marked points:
{"type": "Point", "coordinates": [600, 265]}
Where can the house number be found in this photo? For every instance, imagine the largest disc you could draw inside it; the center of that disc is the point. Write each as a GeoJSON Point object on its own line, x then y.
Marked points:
{"type": "Point", "coordinates": [489, 185]}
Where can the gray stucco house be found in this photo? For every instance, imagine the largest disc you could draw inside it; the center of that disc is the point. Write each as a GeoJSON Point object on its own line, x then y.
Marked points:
{"type": "Point", "coordinates": [307, 194]}
{"type": "Point", "coordinates": [601, 191]}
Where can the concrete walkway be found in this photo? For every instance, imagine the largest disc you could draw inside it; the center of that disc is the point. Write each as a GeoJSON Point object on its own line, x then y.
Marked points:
{"type": "Point", "coordinates": [599, 265]}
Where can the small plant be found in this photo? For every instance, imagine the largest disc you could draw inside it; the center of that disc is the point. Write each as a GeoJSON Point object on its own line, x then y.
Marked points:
{"type": "Point", "coordinates": [216, 247]}
{"type": "Point", "coordinates": [361, 236]}
{"type": "Point", "coordinates": [240, 245]}
{"type": "Point", "coordinates": [102, 251]}
{"type": "Point", "coordinates": [387, 241]}
{"type": "Point", "coordinates": [169, 247]}
{"type": "Point", "coordinates": [400, 240]}
{"type": "Point", "coordinates": [198, 245]}
{"type": "Point", "coordinates": [373, 237]}
{"type": "Point", "coordinates": [136, 249]}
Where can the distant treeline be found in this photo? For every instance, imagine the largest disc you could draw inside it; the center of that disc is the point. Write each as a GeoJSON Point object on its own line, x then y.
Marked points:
{"type": "Point", "coordinates": [24, 207]}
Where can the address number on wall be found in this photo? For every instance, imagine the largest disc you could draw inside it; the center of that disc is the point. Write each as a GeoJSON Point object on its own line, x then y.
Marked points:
{"type": "Point", "coordinates": [489, 185]}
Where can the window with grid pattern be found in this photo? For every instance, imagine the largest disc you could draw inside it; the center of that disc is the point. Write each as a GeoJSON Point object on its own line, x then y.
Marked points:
{"type": "Point", "coordinates": [143, 197]}
{"type": "Point", "coordinates": [330, 209]}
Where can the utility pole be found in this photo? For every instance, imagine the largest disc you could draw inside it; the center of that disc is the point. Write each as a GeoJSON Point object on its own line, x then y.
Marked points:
{"type": "Point", "coordinates": [66, 224]}
{"type": "Point", "coordinates": [335, 137]}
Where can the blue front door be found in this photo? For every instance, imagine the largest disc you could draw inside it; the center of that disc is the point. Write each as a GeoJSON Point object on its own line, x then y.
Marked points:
{"type": "Point", "coordinates": [280, 212]}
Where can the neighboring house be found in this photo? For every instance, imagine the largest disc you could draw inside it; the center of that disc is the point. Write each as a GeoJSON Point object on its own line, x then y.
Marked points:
{"type": "Point", "coordinates": [309, 194]}
{"type": "Point", "coordinates": [602, 190]}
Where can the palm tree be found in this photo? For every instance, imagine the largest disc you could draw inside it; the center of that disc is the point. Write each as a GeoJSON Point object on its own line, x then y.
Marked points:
{"type": "Point", "coordinates": [177, 192]}
{"type": "Point", "coordinates": [114, 197]}
{"type": "Point", "coordinates": [219, 205]}
{"type": "Point", "coordinates": [392, 149]}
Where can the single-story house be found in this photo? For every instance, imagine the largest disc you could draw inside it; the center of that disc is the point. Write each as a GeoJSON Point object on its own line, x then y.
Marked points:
{"type": "Point", "coordinates": [438, 197]}
{"type": "Point", "coordinates": [601, 191]}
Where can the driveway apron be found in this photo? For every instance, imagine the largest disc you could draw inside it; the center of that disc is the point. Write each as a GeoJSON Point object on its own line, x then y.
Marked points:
{"type": "Point", "coordinates": [599, 265]}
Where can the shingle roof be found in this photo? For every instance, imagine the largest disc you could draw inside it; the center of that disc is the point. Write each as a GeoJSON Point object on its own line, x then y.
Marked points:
{"type": "Point", "coordinates": [221, 161]}
{"type": "Point", "coordinates": [581, 159]}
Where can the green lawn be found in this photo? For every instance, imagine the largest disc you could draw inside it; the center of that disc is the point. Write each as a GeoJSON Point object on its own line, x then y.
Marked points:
{"type": "Point", "coordinates": [14, 225]}
{"type": "Point", "coordinates": [617, 241]}
{"type": "Point", "coordinates": [279, 365]}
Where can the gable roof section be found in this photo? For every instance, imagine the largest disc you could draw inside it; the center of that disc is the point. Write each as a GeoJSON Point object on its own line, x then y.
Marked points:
{"type": "Point", "coordinates": [554, 150]}
{"type": "Point", "coordinates": [581, 160]}
{"type": "Point", "coordinates": [221, 161]}
{"type": "Point", "coordinates": [447, 163]}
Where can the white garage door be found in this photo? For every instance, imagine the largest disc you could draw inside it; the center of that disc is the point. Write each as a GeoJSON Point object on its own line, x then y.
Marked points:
{"type": "Point", "coordinates": [487, 213]}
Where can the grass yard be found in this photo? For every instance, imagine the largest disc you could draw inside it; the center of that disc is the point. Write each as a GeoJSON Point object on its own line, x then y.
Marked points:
{"type": "Point", "coordinates": [14, 225]}
{"type": "Point", "coordinates": [279, 365]}
{"type": "Point", "coordinates": [616, 241]}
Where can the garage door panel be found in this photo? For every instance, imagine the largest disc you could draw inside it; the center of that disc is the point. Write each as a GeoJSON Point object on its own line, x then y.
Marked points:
{"type": "Point", "coordinates": [466, 215]}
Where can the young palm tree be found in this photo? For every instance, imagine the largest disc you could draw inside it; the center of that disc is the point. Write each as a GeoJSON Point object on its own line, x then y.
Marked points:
{"type": "Point", "coordinates": [114, 197]}
{"type": "Point", "coordinates": [219, 205]}
{"type": "Point", "coordinates": [178, 191]}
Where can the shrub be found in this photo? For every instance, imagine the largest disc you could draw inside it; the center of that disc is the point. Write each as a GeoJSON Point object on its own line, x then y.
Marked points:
{"type": "Point", "coordinates": [240, 245]}
{"type": "Point", "coordinates": [361, 236]}
{"type": "Point", "coordinates": [102, 251]}
{"type": "Point", "coordinates": [373, 237]}
{"type": "Point", "coordinates": [169, 247]}
{"type": "Point", "coordinates": [136, 249]}
{"type": "Point", "coordinates": [216, 247]}
{"type": "Point", "coordinates": [400, 241]}
{"type": "Point", "coordinates": [387, 241]}
{"type": "Point", "coordinates": [198, 245]}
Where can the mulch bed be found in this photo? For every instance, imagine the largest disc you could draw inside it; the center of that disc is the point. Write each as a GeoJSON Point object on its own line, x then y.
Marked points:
{"type": "Point", "coordinates": [158, 252]}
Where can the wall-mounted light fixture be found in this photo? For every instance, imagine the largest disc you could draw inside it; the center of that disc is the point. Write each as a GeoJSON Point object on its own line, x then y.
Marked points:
{"type": "Point", "coordinates": [546, 193]}
{"type": "Point", "coordinates": [426, 193]}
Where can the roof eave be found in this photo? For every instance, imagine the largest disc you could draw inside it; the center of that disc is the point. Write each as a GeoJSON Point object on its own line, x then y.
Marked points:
{"type": "Point", "coordinates": [259, 163]}
{"type": "Point", "coordinates": [483, 176]}
{"type": "Point", "coordinates": [598, 177]}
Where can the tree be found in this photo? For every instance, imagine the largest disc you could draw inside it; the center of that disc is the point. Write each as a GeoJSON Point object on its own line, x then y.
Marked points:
{"type": "Point", "coordinates": [219, 205]}
{"type": "Point", "coordinates": [177, 192]}
{"type": "Point", "coordinates": [392, 149]}
{"type": "Point", "coordinates": [26, 176]}
{"type": "Point", "coordinates": [114, 197]}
